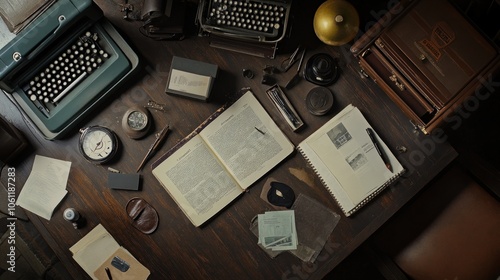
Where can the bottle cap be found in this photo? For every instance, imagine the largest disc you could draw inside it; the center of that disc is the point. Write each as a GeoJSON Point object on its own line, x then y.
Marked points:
{"type": "Point", "coordinates": [70, 215]}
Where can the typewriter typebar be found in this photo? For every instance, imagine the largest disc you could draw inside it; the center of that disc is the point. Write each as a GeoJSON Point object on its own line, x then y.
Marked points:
{"type": "Point", "coordinates": [261, 20]}
{"type": "Point", "coordinates": [60, 79]}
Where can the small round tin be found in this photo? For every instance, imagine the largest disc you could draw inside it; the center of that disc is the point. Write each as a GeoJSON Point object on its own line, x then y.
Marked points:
{"type": "Point", "coordinates": [319, 101]}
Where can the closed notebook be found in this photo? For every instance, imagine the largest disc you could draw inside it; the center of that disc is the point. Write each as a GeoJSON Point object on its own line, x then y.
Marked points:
{"type": "Point", "coordinates": [347, 162]}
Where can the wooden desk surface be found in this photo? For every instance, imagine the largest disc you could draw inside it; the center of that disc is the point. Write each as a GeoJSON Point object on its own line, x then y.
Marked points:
{"type": "Point", "coordinates": [224, 248]}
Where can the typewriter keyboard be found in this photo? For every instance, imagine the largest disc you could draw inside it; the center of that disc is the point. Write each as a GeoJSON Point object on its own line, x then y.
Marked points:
{"type": "Point", "coordinates": [58, 77]}
{"type": "Point", "coordinates": [253, 17]}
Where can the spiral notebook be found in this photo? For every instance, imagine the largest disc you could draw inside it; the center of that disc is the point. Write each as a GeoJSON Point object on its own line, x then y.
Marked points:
{"type": "Point", "coordinates": [346, 159]}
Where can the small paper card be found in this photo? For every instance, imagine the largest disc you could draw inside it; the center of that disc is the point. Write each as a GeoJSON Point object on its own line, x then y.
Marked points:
{"type": "Point", "coordinates": [189, 83]}
{"type": "Point", "coordinates": [191, 78]}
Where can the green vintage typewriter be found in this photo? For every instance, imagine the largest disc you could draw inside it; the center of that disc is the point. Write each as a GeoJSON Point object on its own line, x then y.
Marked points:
{"type": "Point", "coordinates": [64, 64]}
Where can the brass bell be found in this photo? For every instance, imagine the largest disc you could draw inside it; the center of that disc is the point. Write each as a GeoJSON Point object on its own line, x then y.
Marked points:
{"type": "Point", "coordinates": [336, 22]}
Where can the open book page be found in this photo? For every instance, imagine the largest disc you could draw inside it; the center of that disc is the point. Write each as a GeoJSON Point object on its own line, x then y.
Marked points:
{"type": "Point", "coordinates": [197, 181]}
{"type": "Point", "coordinates": [346, 159]}
{"type": "Point", "coordinates": [247, 140]}
{"type": "Point", "coordinates": [232, 150]}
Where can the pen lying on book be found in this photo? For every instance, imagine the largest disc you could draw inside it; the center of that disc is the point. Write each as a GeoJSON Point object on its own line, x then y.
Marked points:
{"type": "Point", "coordinates": [379, 150]}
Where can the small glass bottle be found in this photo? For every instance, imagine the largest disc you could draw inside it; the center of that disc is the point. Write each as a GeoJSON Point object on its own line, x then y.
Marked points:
{"type": "Point", "coordinates": [71, 215]}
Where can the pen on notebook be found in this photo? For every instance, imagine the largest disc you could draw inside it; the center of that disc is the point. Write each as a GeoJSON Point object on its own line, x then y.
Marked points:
{"type": "Point", "coordinates": [379, 150]}
{"type": "Point", "coordinates": [108, 273]}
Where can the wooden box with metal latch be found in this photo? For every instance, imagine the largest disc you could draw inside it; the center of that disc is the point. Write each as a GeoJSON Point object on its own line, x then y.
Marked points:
{"type": "Point", "coordinates": [428, 58]}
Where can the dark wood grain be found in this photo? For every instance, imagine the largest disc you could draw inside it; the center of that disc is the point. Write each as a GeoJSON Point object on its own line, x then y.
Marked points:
{"type": "Point", "coordinates": [224, 248]}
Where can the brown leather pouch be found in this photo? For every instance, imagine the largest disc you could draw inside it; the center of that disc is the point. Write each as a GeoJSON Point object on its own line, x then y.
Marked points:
{"type": "Point", "coordinates": [144, 217]}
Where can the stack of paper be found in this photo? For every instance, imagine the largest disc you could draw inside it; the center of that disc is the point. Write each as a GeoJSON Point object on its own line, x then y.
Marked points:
{"type": "Point", "coordinates": [45, 187]}
{"type": "Point", "coordinates": [277, 230]}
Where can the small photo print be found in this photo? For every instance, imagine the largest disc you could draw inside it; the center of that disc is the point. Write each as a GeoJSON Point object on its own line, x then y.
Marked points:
{"type": "Point", "coordinates": [339, 135]}
{"type": "Point", "coordinates": [357, 160]}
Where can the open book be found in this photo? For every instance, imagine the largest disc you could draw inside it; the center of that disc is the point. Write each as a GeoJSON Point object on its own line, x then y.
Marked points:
{"type": "Point", "coordinates": [347, 162]}
{"type": "Point", "coordinates": [223, 157]}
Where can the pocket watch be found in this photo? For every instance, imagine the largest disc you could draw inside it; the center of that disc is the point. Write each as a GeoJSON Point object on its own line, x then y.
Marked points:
{"type": "Point", "coordinates": [136, 122]}
{"type": "Point", "coordinates": [98, 144]}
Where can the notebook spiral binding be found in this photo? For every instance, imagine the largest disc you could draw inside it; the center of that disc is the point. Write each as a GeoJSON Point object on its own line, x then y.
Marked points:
{"type": "Point", "coordinates": [375, 193]}
{"type": "Point", "coordinates": [364, 201]}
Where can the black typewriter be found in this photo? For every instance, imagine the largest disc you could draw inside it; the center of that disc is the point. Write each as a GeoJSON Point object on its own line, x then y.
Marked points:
{"type": "Point", "coordinates": [260, 22]}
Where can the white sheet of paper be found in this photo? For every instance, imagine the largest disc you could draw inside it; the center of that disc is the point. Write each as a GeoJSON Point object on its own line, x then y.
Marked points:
{"type": "Point", "coordinates": [45, 186]}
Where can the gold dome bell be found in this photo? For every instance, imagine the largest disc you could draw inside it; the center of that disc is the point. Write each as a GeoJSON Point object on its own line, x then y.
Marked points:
{"type": "Point", "coordinates": [336, 22]}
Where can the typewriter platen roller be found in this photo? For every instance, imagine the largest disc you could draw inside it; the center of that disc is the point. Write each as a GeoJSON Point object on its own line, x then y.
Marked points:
{"type": "Point", "coordinates": [58, 80]}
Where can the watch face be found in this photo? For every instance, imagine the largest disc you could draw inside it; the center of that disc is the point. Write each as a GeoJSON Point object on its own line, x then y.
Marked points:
{"type": "Point", "coordinates": [98, 144]}
{"type": "Point", "coordinates": [137, 120]}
